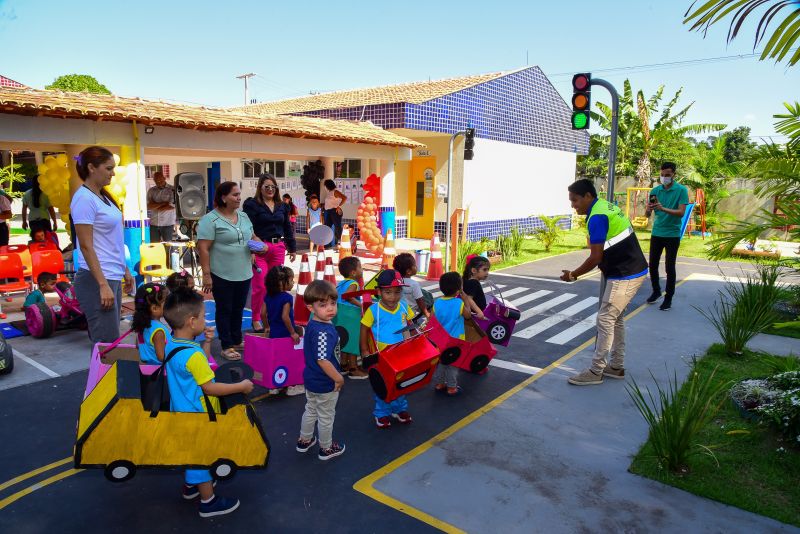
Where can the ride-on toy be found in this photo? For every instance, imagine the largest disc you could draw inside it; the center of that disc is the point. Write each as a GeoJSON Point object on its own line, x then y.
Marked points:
{"type": "Point", "coordinates": [472, 354]}
{"type": "Point", "coordinates": [276, 363]}
{"type": "Point", "coordinates": [501, 317]}
{"type": "Point", "coordinates": [42, 320]}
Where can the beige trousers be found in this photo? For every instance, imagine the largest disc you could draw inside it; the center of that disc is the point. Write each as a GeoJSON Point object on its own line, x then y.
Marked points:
{"type": "Point", "coordinates": [611, 322]}
{"type": "Point", "coordinates": [320, 410]}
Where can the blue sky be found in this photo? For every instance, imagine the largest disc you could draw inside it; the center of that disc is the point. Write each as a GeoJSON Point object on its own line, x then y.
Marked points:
{"type": "Point", "coordinates": [192, 51]}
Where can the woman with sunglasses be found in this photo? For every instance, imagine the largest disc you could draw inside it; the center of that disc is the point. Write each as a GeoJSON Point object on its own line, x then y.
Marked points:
{"type": "Point", "coordinates": [272, 224]}
{"type": "Point", "coordinates": [222, 236]}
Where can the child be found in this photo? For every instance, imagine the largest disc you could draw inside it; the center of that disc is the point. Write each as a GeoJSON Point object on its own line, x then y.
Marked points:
{"type": "Point", "coordinates": [152, 337]}
{"type": "Point", "coordinates": [46, 283]}
{"type": "Point", "coordinates": [450, 311]}
{"type": "Point", "coordinates": [383, 320]}
{"type": "Point", "coordinates": [314, 216]}
{"type": "Point", "coordinates": [180, 279]}
{"type": "Point", "coordinates": [190, 380]}
{"type": "Point", "coordinates": [406, 265]}
{"type": "Point", "coordinates": [322, 374]}
{"type": "Point", "coordinates": [280, 310]}
{"type": "Point", "coordinates": [287, 199]}
{"type": "Point", "coordinates": [476, 270]}
{"type": "Point", "coordinates": [38, 235]}
{"type": "Point", "coordinates": [350, 268]}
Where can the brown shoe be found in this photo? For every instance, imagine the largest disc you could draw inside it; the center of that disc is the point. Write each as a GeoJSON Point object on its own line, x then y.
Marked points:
{"type": "Point", "coordinates": [357, 374]}
{"type": "Point", "coordinates": [587, 377]}
{"type": "Point", "coordinates": [612, 372]}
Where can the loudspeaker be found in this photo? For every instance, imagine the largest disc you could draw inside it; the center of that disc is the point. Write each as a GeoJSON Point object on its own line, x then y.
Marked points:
{"type": "Point", "coordinates": [190, 190]}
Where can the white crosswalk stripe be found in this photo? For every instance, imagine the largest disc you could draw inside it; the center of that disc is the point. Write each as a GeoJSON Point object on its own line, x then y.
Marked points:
{"type": "Point", "coordinates": [546, 305]}
{"type": "Point", "coordinates": [527, 298]}
{"type": "Point", "coordinates": [487, 289]}
{"type": "Point", "coordinates": [553, 320]}
{"type": "Point", "coordinates": [575, 330]}
{"type": "Point", "coordinates": [513, 291]}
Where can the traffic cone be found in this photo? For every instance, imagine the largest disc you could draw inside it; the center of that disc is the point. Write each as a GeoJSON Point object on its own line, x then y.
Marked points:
{"type": "Point", "coordinates": [319, 269]}
{"type": "Point", "coordinates": [389, 251]}
{"type": "Point", "coordinates": [329, 275]}
{"type": "Point", "coordinates": [301, 313]}
{"type": "Point", "coordinates": [344, 243]}
{"type": "Point", "coordinates": [435, 268]}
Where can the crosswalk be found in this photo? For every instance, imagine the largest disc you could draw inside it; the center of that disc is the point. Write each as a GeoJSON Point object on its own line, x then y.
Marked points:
{"type": "Point", "coordinates": [558, 317]}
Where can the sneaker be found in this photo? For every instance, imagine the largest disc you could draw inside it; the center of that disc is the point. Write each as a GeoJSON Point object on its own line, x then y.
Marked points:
{"type": "Point", "coordinates": [654, 296]}
{"type": "Point", "coordinates": [403, 417]}
{"type": "Point", "coordinates": [667, 304]}
{"type": "Point", "coordinates": [612, 372]}
{"type": "Point", "coordinates": [440, 388]}
{"type": "Point", "coordinates": [587, 377]}
{"type": "Point", "coordinates": [292, 391]}
{"type": "Point", "coordinates": [190, 491]}
{"type": "Point", "coordinates": [303, 446]}
{"type": "Point", "coordinates": [331, 452]}
{"type": "Point", "coordinates": [218, 506]}
{"type": "Point", "coordinates": [383, 422]}
{"type": "Point", "coordinates": [358, 374]}
{"type": "Point", "coordinates": [452, 392]}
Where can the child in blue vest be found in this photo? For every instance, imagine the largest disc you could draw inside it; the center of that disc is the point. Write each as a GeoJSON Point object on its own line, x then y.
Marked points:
{"type": "Point", "coordinates": [383, 320]}
{"type": "Point", "coordinates": [280, 312]}
{"type": "Point", "coordinates": [151, 334]}
{"type": "Point", "coordinates": [191, 382]}
{"type": "Point", "coordinates": [314, 216]}
{"type": "Point", "coordinates": [350, 269]}
{"type": "Point", "coordinates": [450, 310]}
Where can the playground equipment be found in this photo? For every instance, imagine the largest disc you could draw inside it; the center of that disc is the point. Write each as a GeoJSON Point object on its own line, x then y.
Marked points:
{"type": "Point", "coordinates": [42, 320]}
{"type": "Point", "coordinates": [639, 222]}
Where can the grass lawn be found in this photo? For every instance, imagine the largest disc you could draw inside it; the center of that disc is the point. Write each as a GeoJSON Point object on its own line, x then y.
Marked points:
{"type": "Point", "coordinates": [533, 250]}
{"type": "Point", "coordinates": [758, 471]}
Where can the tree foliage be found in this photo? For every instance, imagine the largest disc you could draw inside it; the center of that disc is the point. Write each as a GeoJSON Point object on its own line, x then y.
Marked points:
{"type": "Point", "coordinates": [79, 83]}
{"type": "Point", "coordinates": [711, 172]}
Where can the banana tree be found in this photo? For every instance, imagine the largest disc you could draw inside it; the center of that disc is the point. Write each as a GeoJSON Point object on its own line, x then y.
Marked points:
{"type": "Point", "coordinates": [712, 173]}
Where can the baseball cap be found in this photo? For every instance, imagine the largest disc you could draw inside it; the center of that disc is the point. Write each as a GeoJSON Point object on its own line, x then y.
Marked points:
{"type": "Point", "coordinates": [390, 278]}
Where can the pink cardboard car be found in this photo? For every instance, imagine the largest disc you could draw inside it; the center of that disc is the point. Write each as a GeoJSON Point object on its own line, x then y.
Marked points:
{"type": "Point", "coordinates": [472, 354]}
{"type": "Point", "coordinates": [501, 317]}
{"type": "Point", "coordinates": [276, 362]}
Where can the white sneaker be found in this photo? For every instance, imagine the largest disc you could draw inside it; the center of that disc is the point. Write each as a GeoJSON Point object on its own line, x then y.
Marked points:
{"type": "Point", "coordinates": [291, 391]}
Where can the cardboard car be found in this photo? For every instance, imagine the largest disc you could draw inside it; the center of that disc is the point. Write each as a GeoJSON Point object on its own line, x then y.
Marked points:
{"type": "Point", "coordinates": [501, 317]}
{"type": "Point", "coordinates": [276, 362]}
{"type": "Point", "coordinates": [119, 432]}
{"type": "Point", "coordinates": [402, 368]}
{"type": "Point", "coordinates": [471, 354]}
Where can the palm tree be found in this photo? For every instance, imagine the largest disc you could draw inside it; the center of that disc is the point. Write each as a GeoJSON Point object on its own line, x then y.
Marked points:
{"type": "Point", "coordinates": [712, 173]}
{"type": "Point", "coordinates": [780, 41]}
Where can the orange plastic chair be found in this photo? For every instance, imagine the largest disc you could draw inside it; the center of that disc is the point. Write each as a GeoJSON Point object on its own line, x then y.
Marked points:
{"type": "Point", "coordinates": [153, 262]}
{"type": "Point", "coordinates": [11, 269]}
{"type": "Point", "coordinates": [24, 255]}
{"type": "Point", "coordinates": [48, 261]}
{"type": "Point", "coordinates": [45, 245]}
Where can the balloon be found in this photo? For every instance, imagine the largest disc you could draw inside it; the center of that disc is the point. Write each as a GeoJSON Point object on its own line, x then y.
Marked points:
{"type": "Point", "coordinates": [42, 168]}
{"type": "Point", "coordinates": [116, 159]}
{"type": "Point", "coordinates": [61, 159]}
{"type": "Point", "coordinates": [51, 162]}
{"type": "Point", "coordinates": [120, 171]}
{"type": "Point", "coordinates": [63, 174]}
{"type": "Point", "coordinates": [64, 216]}
{"type": "Point", "coordinates": [368, 200]}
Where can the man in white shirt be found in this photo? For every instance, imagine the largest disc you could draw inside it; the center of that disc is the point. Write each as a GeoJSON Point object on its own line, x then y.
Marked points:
{"type": "Point", "coordinates": [161, 206]}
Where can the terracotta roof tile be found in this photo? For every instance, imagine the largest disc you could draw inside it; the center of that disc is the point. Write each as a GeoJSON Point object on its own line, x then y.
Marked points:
{"type": "Point", "coordinates": [117, 108]}
{"type": "Point", "coordinates": [412, 93]}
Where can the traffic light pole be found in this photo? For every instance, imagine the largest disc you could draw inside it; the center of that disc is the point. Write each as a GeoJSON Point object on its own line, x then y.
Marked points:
{"type": "Point", "coordinates": [447, 200]}
{"type": "Point", "coordinates": [612, 150]}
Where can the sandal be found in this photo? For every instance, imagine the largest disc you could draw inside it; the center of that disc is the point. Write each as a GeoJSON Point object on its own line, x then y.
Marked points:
{"type": "Point", "coordinates": [231, 354]}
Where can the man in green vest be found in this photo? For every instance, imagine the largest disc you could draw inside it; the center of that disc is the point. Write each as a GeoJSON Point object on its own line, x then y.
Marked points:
{"type": "Point", "coordinates": [668, 202]}
{"type": "Point", "coordinates": [615, 250]}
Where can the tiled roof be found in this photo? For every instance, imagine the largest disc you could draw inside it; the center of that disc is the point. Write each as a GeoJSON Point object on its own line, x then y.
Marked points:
{"type": "Point", "coordinates": [116, 108]}
{"type": "Point", "coordinates": [8, 82]}
{"type": "Point", "coordinates": [412, 93]}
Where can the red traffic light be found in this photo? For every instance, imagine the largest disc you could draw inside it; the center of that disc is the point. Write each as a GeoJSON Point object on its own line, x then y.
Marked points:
{"type": "Point", "coordinates": [581, 82]}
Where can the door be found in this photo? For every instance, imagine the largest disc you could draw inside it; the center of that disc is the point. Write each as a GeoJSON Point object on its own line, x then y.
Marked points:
{"type": "Point", "coordinates": [421, 197]}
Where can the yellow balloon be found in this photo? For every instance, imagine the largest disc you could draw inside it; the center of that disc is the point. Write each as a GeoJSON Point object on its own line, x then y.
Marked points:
{"type": "Point", "coordinates": [42, 168]}
{"type": "Point", "coordinates": [63, 174]}
{"type": "Point", "coordinates": [64, 216]}
{"type": "Point", "coordinates": [61, 159]}
{"type": "Point", "coordinates": [120, 171]}
{"type": "Point", "coordinates": [116, 159]}
{"type": "Point", "coordinates": [51, 162]}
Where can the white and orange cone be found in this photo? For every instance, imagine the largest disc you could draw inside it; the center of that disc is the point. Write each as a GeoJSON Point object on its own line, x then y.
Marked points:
{"type": "Point", "coordinates": [389, 251]}
{"type": "Point", "coordinates": [329, 275]}
{"type": "Point", "coordinates": [435, 268]}
{"type": "Point", "coordinates": [319, 269]}
{"type": "Point", "coordinates": [301, 314]}
{"type": "Point", "coordinates": [344, 243]}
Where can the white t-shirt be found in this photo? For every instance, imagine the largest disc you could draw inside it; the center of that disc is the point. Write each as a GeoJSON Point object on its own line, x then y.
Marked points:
{"type": "Point", "coordinates": [411, 293]}
{"type": "Point", "coordinates": [108, 234]}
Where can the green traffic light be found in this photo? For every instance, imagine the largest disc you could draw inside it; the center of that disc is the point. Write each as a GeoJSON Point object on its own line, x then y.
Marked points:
{"type": "Point", "coordinates": [580, 121]}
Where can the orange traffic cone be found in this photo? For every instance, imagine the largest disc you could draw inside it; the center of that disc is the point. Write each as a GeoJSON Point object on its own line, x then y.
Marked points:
{"type": "Point", "coordinates": [329, 275]}
{"type": "Point", "coordinates": [319, 269]}
{"type": "Point", "coordinates": [389, 251]}
{"type": "Point", "coordinates": [344, 243]}
{"type": "Point", "coordinates": [301, 313]}
{"type": "Point", "coordinates": [435, 268]}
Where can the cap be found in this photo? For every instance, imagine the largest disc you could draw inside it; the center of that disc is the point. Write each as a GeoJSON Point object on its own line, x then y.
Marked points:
{"type": "Point", "coordinates": [390, 278]}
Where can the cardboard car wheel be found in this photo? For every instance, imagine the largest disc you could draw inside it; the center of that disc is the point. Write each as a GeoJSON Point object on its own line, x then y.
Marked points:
{"type": "Point", "coordinates": [479, 363]}
{"type": "Point", "coordinates": [40, 320]}
{"type": "Point", "coordinates": [450, 355]}
{"type": "Point", "coordinates": [223, 469]}
{"type": "Point", "coordinates": [498, 332]}
{"type": "Point", "coordinates": [377, 383]}
{"type": "Point", "coordinates": [120, 471]}
{"type": "Point", "coordinates": [6, 356]}
{"type": "Point", "coordinates": [344, 337]}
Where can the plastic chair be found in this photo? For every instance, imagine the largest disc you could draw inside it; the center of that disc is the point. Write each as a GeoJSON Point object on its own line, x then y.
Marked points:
{"type": "Point", "coordinates": [24, 255]}
{"type": "Point", "coordinates": [49, 261]}
{"type": "Point", "coordinates": [11, 269]}
{"type": "Point", "coordinates": [153, 262]}
{"type": "Point", "coordinates": [44, 245]}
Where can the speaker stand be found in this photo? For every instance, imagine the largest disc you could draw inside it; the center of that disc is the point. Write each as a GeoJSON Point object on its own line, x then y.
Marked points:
{"type": "Point", "coordinates": [189, 228]}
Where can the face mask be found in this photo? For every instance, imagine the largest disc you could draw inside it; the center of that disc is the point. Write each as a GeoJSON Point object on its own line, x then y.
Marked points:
{"type": "Point", "coordinates": [666, 180]}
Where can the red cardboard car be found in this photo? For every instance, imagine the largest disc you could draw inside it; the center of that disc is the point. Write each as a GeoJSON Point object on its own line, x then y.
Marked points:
{"type": "Point", "coordinates": [472, 354]}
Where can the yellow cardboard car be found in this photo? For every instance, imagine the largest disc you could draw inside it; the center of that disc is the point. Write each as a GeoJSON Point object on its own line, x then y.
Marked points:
{"type": "Point", "coordinates": [117, 433]}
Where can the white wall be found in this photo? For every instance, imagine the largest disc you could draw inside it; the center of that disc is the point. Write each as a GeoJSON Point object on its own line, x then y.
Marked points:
{"type": "Point", "coordinates": [508, 181]}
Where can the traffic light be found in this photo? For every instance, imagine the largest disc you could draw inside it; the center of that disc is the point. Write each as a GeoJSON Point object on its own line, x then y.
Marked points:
{"type": "Point", "coordinates": [469, 144]}
{"type": "Point", "coordinates": [581, 100]}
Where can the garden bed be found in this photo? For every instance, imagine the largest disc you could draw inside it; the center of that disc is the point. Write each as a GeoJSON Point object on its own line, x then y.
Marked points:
{"type": "Point", "coordinates": [754, 467]}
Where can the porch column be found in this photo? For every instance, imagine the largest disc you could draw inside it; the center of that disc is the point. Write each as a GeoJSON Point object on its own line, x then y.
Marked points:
{"type": "Point", "coordinates": [134, 209]}
{"type": "Point", "coordinates": [387, 205]}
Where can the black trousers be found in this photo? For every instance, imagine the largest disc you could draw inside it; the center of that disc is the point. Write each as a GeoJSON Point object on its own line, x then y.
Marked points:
{"type": "Point", "coordinates": [657, 246]}
{"type": "Point", "coordinates": [3, 233]}
{"type": "Point", "coordinates": [230, 299]}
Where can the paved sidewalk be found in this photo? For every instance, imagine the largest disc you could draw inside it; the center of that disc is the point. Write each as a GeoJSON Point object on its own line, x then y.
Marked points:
{"type": "Point", "coordinates": [554, 457]}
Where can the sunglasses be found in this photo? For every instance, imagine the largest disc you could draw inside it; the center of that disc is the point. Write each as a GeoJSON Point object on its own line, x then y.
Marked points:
{"type": "Point", "coordinates": [269, 187]}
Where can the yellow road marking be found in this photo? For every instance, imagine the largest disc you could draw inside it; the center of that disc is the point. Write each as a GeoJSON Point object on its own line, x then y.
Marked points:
{"type": "Point", "coordinates": [39, 485]}
{"type": "Point", "coordinates": [366, 484]}
{"type": "Point", "coordinates": [29, 474]}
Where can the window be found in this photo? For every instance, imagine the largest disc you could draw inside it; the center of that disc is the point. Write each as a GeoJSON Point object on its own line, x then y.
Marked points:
{"type": "Point", "coordinates": [349, 168]}
{"type": "Point", "coordinates": [254, 168]}
{"type": "Point", "coordinates": [150, 170]}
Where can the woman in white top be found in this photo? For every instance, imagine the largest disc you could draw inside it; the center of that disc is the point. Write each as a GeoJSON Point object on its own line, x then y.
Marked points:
{"type": "Point", "coordinates": [333, 210]}
{"type": "Point", "coordinates": [100, 246]}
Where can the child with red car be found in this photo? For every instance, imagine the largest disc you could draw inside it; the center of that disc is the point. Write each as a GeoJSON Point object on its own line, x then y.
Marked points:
{"type": "Point", "coordinates": [450, 310]}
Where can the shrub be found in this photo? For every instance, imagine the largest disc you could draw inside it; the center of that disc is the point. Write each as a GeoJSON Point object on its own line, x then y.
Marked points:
{"type": "Point", "coordinates": [517, 238]}
{"type": "Point", "coordinates": [676, 416]}
{"type": "Point", "coordinates": [469, 247]}
{"type": "Point", "coordinates": [784, 409]}
{"type": "Point", "coordinates": [550, 233]}
{"type": "Point", "coordinates": [505, 247]}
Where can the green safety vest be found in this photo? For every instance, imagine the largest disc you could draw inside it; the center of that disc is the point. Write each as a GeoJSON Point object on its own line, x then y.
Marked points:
{"type": "Point", "coordinates": [622, 255]}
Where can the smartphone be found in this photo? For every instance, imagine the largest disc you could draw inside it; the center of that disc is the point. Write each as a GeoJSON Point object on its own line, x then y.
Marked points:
{"type": "Point", "coordinates": [653, 199]}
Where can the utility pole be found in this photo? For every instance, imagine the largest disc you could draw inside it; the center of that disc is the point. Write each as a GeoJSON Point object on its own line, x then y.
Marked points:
{"type": "Point", "coordinates": [245, 77]}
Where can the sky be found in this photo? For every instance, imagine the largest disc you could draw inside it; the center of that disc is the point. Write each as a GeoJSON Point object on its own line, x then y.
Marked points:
{"type": "Point", "coordinates": [193, 51]}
